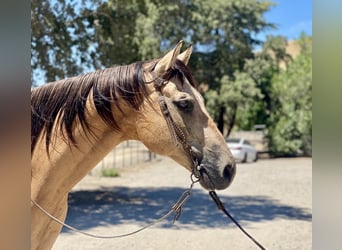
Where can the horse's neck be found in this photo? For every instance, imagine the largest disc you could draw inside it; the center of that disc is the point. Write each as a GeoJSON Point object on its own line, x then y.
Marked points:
{"type": "Point", "coordinates": [68, 164]}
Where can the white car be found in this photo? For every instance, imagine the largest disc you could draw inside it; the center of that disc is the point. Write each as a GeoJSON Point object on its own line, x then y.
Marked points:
{"type": "Point", "coordinates": [242, 149]}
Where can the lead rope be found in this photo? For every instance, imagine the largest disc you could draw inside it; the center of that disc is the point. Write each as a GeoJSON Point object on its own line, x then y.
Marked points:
{"type": "Point", "coordinates": [220, 206]}
{"type": "Point", "coordinates": [176, 208]}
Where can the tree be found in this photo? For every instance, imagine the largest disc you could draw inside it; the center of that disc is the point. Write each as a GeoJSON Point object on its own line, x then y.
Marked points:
{"type": "Point", "coordinates": [234, 95]}
{"type": "Point", "coordinates": [291, 117]}
{"type": "Point", "coordinates": [114, 25]}
{"type": "Point", "coordinates": [58, 40]}
{"type": "Point", "coordinates": [226, 30]}
{"type": "Point", "coordinates": [68, 37]}
{"type": "Point", "coordinates": [262, 69]}
{"type": "Point", "coordinates": [275, 47]}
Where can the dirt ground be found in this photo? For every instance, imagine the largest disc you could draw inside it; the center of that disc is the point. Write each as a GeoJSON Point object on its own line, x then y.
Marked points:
{"type": "Point", "coordinates": [272, 199]}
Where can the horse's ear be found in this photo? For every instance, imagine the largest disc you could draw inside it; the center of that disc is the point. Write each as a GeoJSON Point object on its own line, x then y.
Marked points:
{"type": "Point", "coordinates": [185, 56]}
{"type": "Point", "coordinates": [168, 60]}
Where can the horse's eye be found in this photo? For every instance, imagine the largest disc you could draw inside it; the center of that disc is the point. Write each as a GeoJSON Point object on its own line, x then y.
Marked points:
{"type": "Point", "coordinates": [185, 105]}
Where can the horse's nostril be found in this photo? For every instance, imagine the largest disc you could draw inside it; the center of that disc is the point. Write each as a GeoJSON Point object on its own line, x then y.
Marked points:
{"type": "Point", "coordinates": [229, 172]}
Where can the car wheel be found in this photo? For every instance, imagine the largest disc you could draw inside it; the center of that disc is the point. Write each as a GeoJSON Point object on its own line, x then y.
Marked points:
{"type": "Point", "coordinates": [256, 157]}
{"type": "Point", "coordinates": [244, 158]}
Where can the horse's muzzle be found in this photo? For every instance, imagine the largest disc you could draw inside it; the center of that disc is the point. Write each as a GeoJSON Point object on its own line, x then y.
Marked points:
{"type": "Point", "coordinates": [216, 178]}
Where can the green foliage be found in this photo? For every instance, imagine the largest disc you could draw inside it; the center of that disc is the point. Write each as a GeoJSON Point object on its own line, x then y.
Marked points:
{"type": "Point", "coordinates": [291, 119]}
{"type": "Point", "coordinates": [56, 35]}
{"type": "Point", "coordinates": [109, 172]}
{"type": "Point", "coordinates": [275, 47]}
{"type": "Point", "coordinates": [261, 69]}
{"type": "Point", "coordinates": [234, 95]}
{"type": "Point", "coordinates": [70, 37]}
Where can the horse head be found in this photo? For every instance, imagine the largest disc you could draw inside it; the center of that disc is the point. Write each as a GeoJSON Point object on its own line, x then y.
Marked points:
{"type": "Point", "coordinates": [172, 80]}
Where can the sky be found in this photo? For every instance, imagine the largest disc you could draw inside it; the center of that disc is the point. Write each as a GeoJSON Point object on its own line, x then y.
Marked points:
{"type": "Point", "coordinates": [291, 17]}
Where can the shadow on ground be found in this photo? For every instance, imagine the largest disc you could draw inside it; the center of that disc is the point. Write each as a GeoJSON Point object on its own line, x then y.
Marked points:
{"type": "Point", "coordinates": [140, 206]}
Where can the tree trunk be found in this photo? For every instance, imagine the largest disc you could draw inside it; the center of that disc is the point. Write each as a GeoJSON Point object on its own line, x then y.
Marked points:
{"type": "Point", "coordinates": [220, 120]}
{"type": "Point", "coordinates": [231, 120]}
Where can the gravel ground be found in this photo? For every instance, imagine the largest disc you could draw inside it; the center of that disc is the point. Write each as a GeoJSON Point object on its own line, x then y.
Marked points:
{"type": "Point", "coordinates": [272, 199]}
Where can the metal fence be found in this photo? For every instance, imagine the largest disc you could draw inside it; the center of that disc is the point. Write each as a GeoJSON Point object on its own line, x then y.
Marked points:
{"type": "Point", "coordinates": [127, 154]}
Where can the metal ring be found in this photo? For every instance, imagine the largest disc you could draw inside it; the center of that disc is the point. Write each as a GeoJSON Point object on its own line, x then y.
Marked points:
{"type": "Point", "coordinates": [193, 180]}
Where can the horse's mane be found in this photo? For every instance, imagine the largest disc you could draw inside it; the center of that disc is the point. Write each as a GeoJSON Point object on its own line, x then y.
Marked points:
{"type": "Point", "coordinates": [64, 101]}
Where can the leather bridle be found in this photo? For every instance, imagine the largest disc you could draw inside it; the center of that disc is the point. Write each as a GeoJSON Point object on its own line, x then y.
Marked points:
{"type": "Point", "coordinates": [177, 135]}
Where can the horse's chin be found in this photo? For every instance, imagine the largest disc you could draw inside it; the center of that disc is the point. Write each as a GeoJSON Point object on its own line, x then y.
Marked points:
{"type": "Point", "coordinates": [211, 177]}
{"type": "Point", "coordinates": [208, 185]}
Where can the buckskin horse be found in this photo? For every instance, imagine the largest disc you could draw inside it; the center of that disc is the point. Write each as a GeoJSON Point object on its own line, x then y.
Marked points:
{"type": "Point", "coordinates": [75, 122]}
